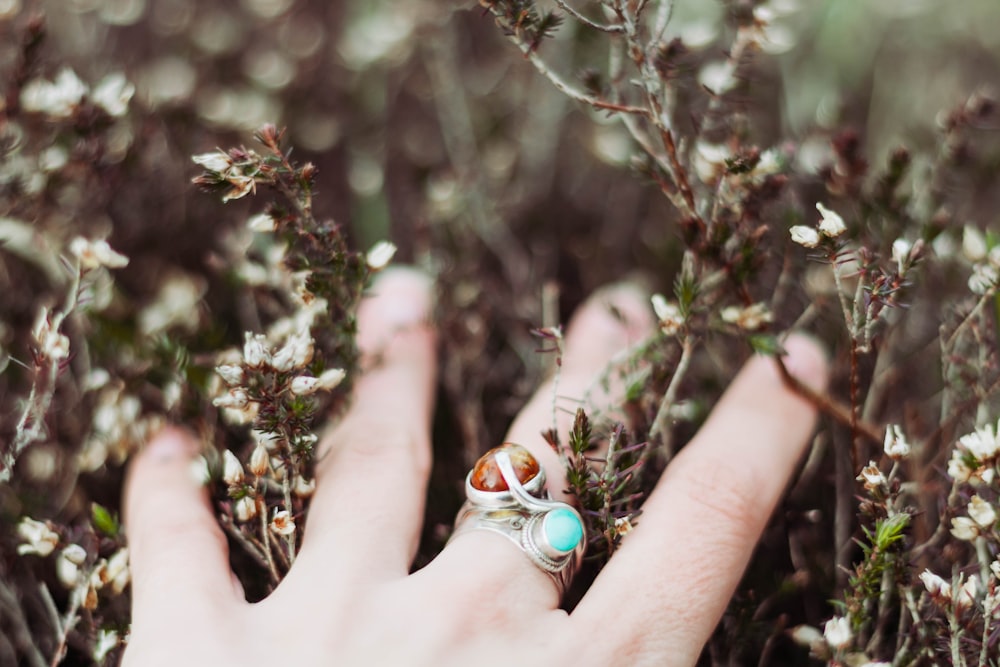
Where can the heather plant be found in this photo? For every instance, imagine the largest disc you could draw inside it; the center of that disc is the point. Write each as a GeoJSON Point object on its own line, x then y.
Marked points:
{"type": "Point", "coordinates": [194, 198]}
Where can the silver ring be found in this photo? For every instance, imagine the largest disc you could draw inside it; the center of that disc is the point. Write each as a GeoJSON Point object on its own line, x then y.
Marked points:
{"type": "Point", "coordinates": [506, 494]}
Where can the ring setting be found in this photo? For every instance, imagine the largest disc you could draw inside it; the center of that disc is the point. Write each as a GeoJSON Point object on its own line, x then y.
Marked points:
{"type": "Point", "coordinates": [506, 494]}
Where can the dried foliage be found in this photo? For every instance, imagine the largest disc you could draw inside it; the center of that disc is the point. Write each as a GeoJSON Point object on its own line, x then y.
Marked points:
{"type": "Point", "coordinates": [765, 166]}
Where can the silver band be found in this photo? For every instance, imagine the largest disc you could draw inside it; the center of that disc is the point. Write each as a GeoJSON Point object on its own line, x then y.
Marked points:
{"type": "Point", "coordinates": [528, 517]}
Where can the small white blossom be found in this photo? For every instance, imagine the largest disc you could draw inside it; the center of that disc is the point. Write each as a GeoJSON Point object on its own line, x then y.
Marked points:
{"type": "Point", "coordinates": [58, 99]}
{"type": "Point", "coordinates": [958, 470]}
{"type": "Point", "coordinates": [262, 222]}
{"type": "Point", "coordinates": [232, 469]}
{"type": "Point", "coordinates": [983, 279]}
{"type": "Point", "coordinates": [623, 526]}
{"type": "Point", "coordinates": [49, 342]}
{"type": "Point", "coordinates": [804, 236]}
{"type": "Point", "coordinates": [901, 253]}
{"type": "Point", "coordinates": [255, 350]}
{"type": "Point", "coordinates": [807, 636]}
{"type": "Point", "coordinates": [748, 318]}
{"type": "Point", "coordinates": [872, 476]}
{"type": "Point", "coordinates": [116, 571]}
{"type": "Point", "coordinates": [709, 160]}
{"type": "Point", "coordinates": [718, 77]}
{"type": "Point", "coordinates": [995, 568]}
{"type": "Point", "coordinates": [968, 592]}
{"type": "Point", "coordinates": [231, 374]}
{"type": "Point", "coordinates": [282, 523]}
{"type": "Point", "coordinates": [832, 225]}
{"type": "Point", "coordinates": [113, 94]}
{"type": "Point", "coordinates": [837, 632]}
{"type": "Point", "coordinates": [935, 585]}
{"type": "Point", "coordinates": [37, 537]}
{"type": "Point", "coordinates": [331, 378]}
{"type": "Point", "coordinates": [235, 399]}
{"type": "Point", "coordinates": [982, 512]}
{"type": "Point", "coordinates": [896, 447]}
{"type": "Point", "coordinates": [107, 641]}
{"type": "Point", "coordinates": [973, 244]}
{"type": "Point", "coordinates": [245, 509]}
{"type": "Point", "coordinates": [94, 254]}
{"type": "Point", "coordinates": [303, 487]}
{"type": "Point", "coordinates": [983, 443]}
{"type": "Point", "coordinates": [259, 460]}
{"type": "Point", "coordinates": [68, 564]}
{"type": "Point", "coordinates": [964, 528]}
{"type": "Point", "coordinates": [304, 385]}
{"type": "Point", "coordinates": [668, 313]}
{"type": "Point", "coordinates": [380, 255]}
{"type": "Point", "coordinates": [296, 352]}
{"type": "Point", "coordinates": [217, 161]}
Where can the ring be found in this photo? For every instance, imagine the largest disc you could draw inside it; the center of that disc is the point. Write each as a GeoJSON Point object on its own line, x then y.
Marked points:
{"type": "Point", "coordinates": [506, 494]}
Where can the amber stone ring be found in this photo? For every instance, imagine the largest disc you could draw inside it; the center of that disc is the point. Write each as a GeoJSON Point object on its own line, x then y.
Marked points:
{"type": "Point", "coordinates": [506, 494]}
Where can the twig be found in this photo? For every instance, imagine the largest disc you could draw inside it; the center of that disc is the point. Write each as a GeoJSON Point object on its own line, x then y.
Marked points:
{"type": "Point", "coordinates": [17, 627]}
{"type": "Point", "coordinates": [660, 424]}
{"type": "Point", "coordinates": [588, 22]}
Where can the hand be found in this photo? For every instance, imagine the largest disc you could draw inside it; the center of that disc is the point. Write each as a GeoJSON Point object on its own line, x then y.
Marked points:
{"type": "Point", "coordinates": [349, 598]}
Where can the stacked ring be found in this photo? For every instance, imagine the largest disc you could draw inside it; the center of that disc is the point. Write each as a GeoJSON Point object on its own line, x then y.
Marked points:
{"type": "Point", "coordinates": [506, 494]}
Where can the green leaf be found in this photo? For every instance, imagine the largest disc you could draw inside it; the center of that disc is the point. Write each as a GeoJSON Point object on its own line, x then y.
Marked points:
{"type": "Point", "coordinates": [766, 344]}
{"type": "Point", "coordinates": [104, 521]}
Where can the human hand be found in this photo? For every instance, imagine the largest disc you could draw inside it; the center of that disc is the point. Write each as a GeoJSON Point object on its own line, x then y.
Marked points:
{"type": "Point", "coordinates": [349, 598]}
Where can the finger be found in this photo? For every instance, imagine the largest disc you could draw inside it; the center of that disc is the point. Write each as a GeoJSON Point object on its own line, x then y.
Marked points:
{"type": "Point", "coordinates": [701, 523]}
{"type": "Point", "coordinates": [372, 470]}
{"type": "Point", "coordinates": [178, 555]}
{"type": "Point", "coordinates": [607, 325]}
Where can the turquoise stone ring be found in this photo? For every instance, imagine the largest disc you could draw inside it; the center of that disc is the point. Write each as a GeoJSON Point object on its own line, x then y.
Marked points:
{"type": "Point", "coordinates": [506, 494]}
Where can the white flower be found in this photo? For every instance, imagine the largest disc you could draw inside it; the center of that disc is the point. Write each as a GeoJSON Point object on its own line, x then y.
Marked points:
{"type": "Point", "coordinates": [262, 222]}
{"type": "Point", "coordinates": [995, 568]}
{"type": "Point", "coordinates": [58, 99]}
{"type": "Point", "coordinates": [982, 512]}
{"type": "Point", "coordinates": [259, 460]}
{"type": "Point", "coordinates": [668, 313]}
{"type": "Point", "coordinates": [94, 254]}
{"type": "Point", "coordinates": [806, 635]}
{"type": "Point", "coordinates": [282, 523]}
{"type": "Point", "coordinates": [304, 385]}
{"type": "Point", "coordinates": [804, 236]}
{"type": "Point", "coordinates": [837, 632]}
{"type": "Point", "coordinates": [232, 469]}
{"type": "Point", "coordinates": [217, 161]}
{"type": "Point", "coordinates": [983, 443]}
{"type": "Point", "coordinates": [331, 378]}
{"type": "Point", "coordinates": [68, 564]}
{"type": "Point", "coordinates": [296, 353]}
{"type": "Point", "coordinates": [958, 470]}
{"type": "Point", "coordinates": [718, 77]}
{"type": "Point", "coordinates": [832, 224]}
{"type": "Point", "coordinates": [116, 571]}
{"type": "Point", "coordinates": [964, 528]}
{"type": "Point", "coordinates": [231, 374]}
{"type": "Point", "coordinates": [107, 640]}
{"type": "Point", "coordinates": [710, 160]}
{"type": "Point", "coordinates": [50, 343]}
{"type": "Point", "coordinates": [235, 399]}
{"type": "Point", "coordinates": [984, 278]}
{"type": "Point", "coordinates": [935, 585]}
{"type": "Point", "coordinates": [968, 592]}
{"type": "Point", "coordinates": [245, 509]}
{"type": "Point", "coordinates": [871, 476]}
{"type": "Point", "coordinates": [900, 253]}
{"type": "Point", "coordinates": [896, 447]}
{"type": "Point", "coordinates": [113, 94]}
{"type": "Point", "coordinates": [749, 318]}
{"type": "Point", "coordinates": [304, 487]}
{"type": "Point", "coordinates": [973, 244]}
{"type": "Point", "coordinates": [380, 255]}
{"type": "Point", "coordinates": [38, 538]}
{"type": "Point", "coordinates": [255, 351]}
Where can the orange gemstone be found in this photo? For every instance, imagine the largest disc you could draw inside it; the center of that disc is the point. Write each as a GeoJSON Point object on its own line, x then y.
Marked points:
{"type": "Point", "coordinates": [486, 475]}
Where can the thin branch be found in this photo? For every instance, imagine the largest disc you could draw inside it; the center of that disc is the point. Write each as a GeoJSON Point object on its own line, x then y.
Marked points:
{"type": "Point", "coordinates": [588, 22]}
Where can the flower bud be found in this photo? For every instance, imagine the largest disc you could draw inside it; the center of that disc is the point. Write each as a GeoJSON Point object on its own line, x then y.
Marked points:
{"type": "Point", "coordinates": [331, 378]}
{"type": "Point", "coordinates": [231, 374]}
{"type": "Point", "coordinates": [232, 469]}
{"type": "Point", "coordinates": [832, 224]}
{"type": "Point", "coordinates": [255, 352]}
{"type": "Point", "coordinates": [982, 512]}
{"type": "Point", "coordinates": [964, 528]}
{"type": "Point", "coordinates": [304, 385]}
{"type": "Point", "coordinates": [245, 509]}
{"type": "Point", "coordinates": [804, 236]}
{"type": "Point", "coordinates": [68, 564]}
{"type": "Point", "coordinates": [38, 538]}
{"type": "Point", "coordinates": [380, 255]}
{"type": "Point", "coordinates": [236, 399]}
{"type": "Point", "coordinates": [259, 460]}
{"type": "Point", "coordinates": [837, 632]}
{"type": "Point", "coordinates": [303, 488]}
{"type": "Point", "coordinates": [896, 447]}
{"type": "Point", "coordinates": [117, 572]}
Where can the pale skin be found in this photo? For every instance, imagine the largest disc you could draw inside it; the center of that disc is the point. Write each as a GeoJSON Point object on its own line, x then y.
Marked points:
{"type": "Point", "coordinates": [350, 598]}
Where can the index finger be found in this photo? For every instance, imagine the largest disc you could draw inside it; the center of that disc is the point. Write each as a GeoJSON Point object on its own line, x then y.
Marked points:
{"type": "Point", "coordinates": [701, 523]}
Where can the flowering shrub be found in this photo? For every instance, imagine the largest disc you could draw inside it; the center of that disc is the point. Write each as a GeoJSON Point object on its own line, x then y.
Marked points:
{"type": "Point", "coordinates": [168, 252]}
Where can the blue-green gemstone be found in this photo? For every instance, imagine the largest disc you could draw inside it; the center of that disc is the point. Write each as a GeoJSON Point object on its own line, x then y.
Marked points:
{"type": "Point", "coordinates": [563, 529]}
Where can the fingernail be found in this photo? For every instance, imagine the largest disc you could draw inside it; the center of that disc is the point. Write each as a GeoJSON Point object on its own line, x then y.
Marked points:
{"type": "Point", "coordinates": [807, 359]}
